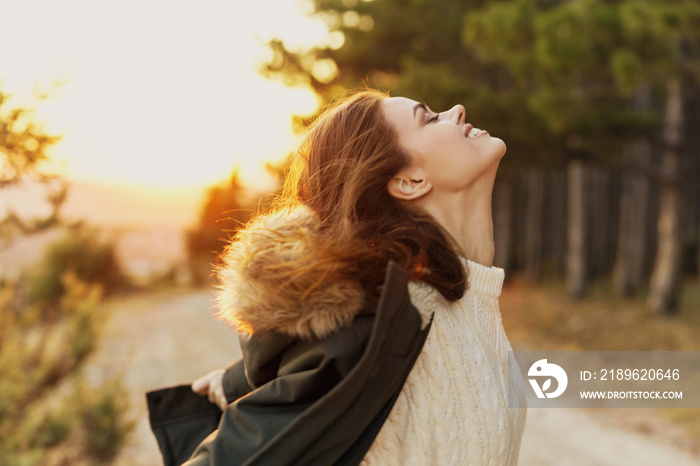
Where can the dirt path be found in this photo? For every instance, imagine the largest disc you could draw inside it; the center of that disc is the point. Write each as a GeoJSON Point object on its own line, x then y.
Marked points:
{"type": "Point", "coordinates": [572, 437]}
{"type": "Point", "coordinates": [156, 341]}
{"type": "Point", "coordinates": [169, 338]}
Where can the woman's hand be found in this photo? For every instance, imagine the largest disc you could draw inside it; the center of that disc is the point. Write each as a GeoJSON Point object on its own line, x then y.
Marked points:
{"type": "Point", "coordinates": [212, 386]}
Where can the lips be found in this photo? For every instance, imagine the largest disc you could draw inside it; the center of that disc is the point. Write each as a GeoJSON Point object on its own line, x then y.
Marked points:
{"type": "Point", "coordinates": [470, 132]}
{"type": "Point", "coordinates": [467, 128]}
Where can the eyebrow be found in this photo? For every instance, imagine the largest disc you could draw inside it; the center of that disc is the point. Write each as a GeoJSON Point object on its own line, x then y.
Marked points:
{"type": "Point", "coordinates": [419, 106]}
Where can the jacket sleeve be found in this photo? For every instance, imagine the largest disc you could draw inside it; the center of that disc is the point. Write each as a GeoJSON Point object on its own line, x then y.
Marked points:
{"type": "Point", "coordinates": [180, 420]}
{"type": "Point", "coordinates": [235, 383]}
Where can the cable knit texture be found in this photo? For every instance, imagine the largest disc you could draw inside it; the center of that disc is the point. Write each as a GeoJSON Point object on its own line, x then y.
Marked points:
{"type": "Point", "coordinates": [454, 408]}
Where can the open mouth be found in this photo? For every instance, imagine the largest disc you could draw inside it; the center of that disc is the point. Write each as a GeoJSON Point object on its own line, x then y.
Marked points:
{"type": "Point", "coordinates": [470, 132]}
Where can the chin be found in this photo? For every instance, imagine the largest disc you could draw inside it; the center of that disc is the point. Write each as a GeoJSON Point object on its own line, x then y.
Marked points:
{"type": "Point", "coordinates": [499, 146]}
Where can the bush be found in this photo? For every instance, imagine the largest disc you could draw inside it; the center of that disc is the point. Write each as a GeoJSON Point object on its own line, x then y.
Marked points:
{"type": "Point", "coordinates": [86, 426]}
{"type": "Point", "coordinates": [101, 413]}
{"type": "Point", "coordinates": [36, 354]}
{"type": "Point", "coordinates": [224, 211]}
{"type": "Point", "coordinates": [50, 428]}
{"type": "Point", "coordinates": [82, 252]}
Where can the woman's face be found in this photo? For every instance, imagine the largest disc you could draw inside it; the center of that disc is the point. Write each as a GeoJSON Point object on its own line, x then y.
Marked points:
{"type": "Point", "coordinates": [450, 153]}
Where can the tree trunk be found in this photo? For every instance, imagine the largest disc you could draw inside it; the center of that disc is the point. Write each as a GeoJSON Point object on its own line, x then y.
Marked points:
{"type": "Point", "coordinates": [502, 224]}
{"type": "Point", "coordinates": [555, 224]}
{"type": "Point", "coordinates": [630, 261]}
{"type": "Point", "coordinates": [690, 176]}
{"type": "Point", "coordinates": [666, 277]}
{"type": "Point", "coordinates": [577, 267]}
{"type": "Point", "coordinates": [599, 217]}
{"type": "Point", "coordinates": [534, 222]}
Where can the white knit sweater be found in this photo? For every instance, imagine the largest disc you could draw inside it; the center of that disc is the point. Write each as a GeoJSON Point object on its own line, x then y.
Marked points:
{"type": "Point", "coordinates": [454, 406]}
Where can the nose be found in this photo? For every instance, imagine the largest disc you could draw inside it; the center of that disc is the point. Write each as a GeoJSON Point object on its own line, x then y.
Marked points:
{"type": "Point", "coordinates": [457, 114]}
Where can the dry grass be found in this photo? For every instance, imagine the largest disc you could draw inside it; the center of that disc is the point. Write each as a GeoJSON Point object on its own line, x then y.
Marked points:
{"type": "Point", "coordinates": [543, 317]}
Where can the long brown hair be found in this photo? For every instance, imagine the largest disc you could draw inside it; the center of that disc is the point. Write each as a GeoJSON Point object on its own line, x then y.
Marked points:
{"type": "Point", "coordinates": [341, 171]}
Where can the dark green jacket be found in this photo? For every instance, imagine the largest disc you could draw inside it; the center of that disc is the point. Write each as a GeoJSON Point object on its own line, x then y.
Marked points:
{"type": "Point", "coordinates": [300, 401]}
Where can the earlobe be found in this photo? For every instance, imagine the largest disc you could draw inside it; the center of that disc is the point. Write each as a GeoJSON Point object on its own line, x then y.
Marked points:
{"type": "Point", "coordinates": [407, 188]}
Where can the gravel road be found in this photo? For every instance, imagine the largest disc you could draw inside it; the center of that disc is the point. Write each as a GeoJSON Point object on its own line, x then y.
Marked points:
{"type": "Point", "coordinates": [155, 341]}
{"type": "Point", "coordinates": [170, 338]}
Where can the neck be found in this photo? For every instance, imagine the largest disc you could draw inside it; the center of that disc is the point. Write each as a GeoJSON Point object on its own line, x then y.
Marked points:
{"type": "Point", "coordinates": [467, 216]}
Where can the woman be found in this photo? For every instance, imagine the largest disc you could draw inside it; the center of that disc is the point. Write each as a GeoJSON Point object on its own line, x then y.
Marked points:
{"type": "Point", "coordinates": [383, 233]}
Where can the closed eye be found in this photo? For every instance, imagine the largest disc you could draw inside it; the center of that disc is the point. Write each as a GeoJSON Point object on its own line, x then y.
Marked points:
{"type": "Point", "coordinates": [435, 118]}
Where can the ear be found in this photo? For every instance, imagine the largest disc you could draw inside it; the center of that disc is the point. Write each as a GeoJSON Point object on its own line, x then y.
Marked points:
{"type": "Point", "coordinates": [409, 185]}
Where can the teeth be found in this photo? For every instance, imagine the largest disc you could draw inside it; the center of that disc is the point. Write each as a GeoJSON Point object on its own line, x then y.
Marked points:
{"type": "Point", "coordinates": [473, 132]}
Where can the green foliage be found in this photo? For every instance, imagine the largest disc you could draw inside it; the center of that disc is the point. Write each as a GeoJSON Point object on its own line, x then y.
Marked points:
{"type": "Point", "coordinates": [81, 252]}
{"type": "Point", "coordinates": [552, 77]}
{"type": "Point", "coordinates": [506, 31]}
{"type": "Point", "coordinates": [87, 425]}
{"type": "Point", "coordinates": [50, 323]}
{"type": "Point", "coordinates": [23, 142]}
{"type": "Point", "coordinates": [627, 70]}
{"type": "Point", "coordinates": [576, 67]}
{"type": "Point", "coordinates": [48, 428]}
{"type": "Point", "coordinates": [420, 49]}
{"type": "Point", "coordinates": [101, 414]}
{"type": "Point", "coordinates": [80, 303]}
{"type": "Point", "coordinates": [224, 211]}
{"type": "Point", "coordinates": [23, 147]}
{"type": "Point", "coordinates": [39, 349]}
{"type": "Point", "coordinates": [36, 353]}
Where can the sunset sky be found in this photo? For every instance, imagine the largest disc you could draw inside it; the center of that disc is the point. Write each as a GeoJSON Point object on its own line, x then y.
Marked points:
{"type": "Point", "coordinates": [156, 92]}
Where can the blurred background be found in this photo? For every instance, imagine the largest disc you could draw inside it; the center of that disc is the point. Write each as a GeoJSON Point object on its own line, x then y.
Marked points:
{"type": "Point", "coordinates": [137, 136]}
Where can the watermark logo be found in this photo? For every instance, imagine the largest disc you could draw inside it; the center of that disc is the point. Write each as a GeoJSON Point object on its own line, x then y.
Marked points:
{"type": "Point", "coordinates": [542, 368]}
{"type": "Point", "coordinates": [605, 379]}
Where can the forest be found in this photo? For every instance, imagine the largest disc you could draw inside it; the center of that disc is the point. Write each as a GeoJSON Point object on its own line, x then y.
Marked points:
{"type": "Point", "coordinates": [596, 100]}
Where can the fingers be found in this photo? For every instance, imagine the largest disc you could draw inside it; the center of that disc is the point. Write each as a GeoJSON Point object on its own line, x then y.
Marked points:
{"type": "Point", "coordinates": [216, 396]}
{"type": "Point", "coordinates": [222, 401]}
{"type": "Point", "coordinates": [212, 386]}
{"type": "Point", "coordinates": [201, 385]}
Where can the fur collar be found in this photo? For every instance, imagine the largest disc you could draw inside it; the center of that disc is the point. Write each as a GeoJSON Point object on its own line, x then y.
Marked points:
{"type": "Point", "coordinates": [255, 293]}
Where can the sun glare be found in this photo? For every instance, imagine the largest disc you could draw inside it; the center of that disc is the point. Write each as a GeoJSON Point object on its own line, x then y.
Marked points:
{"type": "Point", "coordinates": [158, 93]}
